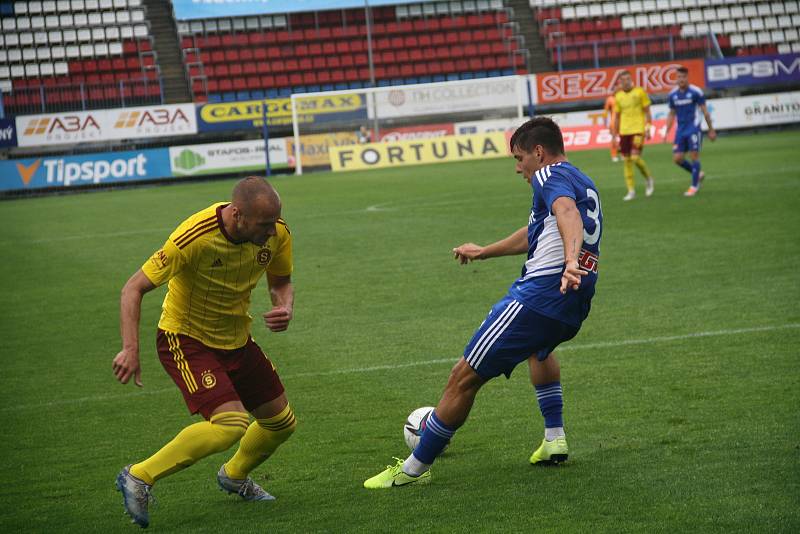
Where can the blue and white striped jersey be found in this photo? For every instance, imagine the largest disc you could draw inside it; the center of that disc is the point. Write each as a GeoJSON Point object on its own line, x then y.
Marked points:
{"type": "Point", "coordinates": [540, 281]}
{"type": "Point", "coordinates": [686, 105]}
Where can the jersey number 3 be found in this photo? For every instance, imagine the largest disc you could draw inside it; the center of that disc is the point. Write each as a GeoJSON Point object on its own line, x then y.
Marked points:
{"type": "Point", "coordinates": [593, 214]}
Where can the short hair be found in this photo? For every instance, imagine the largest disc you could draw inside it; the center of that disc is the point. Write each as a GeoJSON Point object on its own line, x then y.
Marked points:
{"type": "Point", "coordinates": [683, 70]}
{"type": "Point", "coordinates": [249, 190]}
{"type": "Point", "coordinates": [624, 72]}
{"type": "Point", "coordinates": [539, 131]}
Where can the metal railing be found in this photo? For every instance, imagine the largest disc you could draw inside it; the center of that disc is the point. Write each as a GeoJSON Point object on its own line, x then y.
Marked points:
{"type": "Point", "coordinates": [83, 96]}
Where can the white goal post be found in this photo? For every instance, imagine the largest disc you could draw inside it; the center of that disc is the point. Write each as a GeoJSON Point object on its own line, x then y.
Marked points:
{"type": "Point", "coordinates": [360, 115]}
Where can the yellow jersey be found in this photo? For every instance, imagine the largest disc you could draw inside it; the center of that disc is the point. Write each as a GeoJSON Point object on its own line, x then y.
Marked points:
{"type": "Point", "coordinates": [211, 277]}
{"type": "Point", "coordinates": [631, 106]}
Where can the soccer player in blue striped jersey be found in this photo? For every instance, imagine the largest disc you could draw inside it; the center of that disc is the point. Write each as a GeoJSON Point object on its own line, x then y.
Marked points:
{"type": "Point", "coordinates": [686, 102]}
{"type": "Point", "coordinates": [544, 307]}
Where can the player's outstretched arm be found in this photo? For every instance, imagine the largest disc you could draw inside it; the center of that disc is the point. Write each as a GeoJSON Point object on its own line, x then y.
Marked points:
{"type": "Point", "coordinates": [570, 226]}
{"type": "Point", "coordinates": [670, 120]}
{"type": "Point", "coordinates": [648, 122]}
{"type": "Point", "coordinates": [712, 133]}
{"type": "Point", "coordinates": [516, 243]}
{"type": "Point", "coordinates": [281, 292]}
{"type": "Point", "coordinates": [126, 362]}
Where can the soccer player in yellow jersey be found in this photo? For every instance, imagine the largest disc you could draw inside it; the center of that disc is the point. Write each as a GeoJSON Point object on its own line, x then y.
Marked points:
{"type": "Point", "coordinates": [608, 118]}
{"type": "Point", "coordinates": [212, 262]}
{"type": "Point", "coordinates": [631, 125]}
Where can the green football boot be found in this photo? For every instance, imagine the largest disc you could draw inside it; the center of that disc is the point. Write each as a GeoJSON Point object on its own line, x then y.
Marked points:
{"type": "Point", "coordinates": [551, 452]}
{"type": "Point", "coordinates": [393, 476]}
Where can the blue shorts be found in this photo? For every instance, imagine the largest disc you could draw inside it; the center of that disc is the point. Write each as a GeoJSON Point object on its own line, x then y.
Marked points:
{"type": "Point", "coordinates": [511, 334]}
{"type": "Point", "coordinates": [690, 142]}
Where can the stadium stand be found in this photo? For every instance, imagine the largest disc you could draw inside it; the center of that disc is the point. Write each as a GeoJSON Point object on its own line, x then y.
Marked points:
{"type": "Point", "coordinates": [603, 33]}
{"type": "Point", "coordinates": [272, 56]}
{"type": "Point", "coordinates": [74, 54]}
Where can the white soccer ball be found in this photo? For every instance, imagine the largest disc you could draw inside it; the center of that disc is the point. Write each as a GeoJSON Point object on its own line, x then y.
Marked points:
{"type": "Point", "coordinates": [415, 425]}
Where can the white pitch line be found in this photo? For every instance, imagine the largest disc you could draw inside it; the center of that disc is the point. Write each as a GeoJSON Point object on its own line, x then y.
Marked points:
{"type": "Point", "coordinates": [453, 360]}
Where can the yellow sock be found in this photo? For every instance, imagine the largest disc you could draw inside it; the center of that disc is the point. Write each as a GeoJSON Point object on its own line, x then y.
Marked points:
{"type": "Point", "coordinates": [627, 172]}
{"type": "Point", "coordinates": [191, 444]}
{"type": "Point", "coordinates": [261, 440]}
{"type": "Point", "coordinates": [639, 162]}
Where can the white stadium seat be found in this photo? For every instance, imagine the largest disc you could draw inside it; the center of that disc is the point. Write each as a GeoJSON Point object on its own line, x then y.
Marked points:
{"type": "Point", "coordinates": [31, 70]}
{"type": "Point", "coordinates": [112, 33]}
{"type": "Point", "coordinates": [98, 34]}
{"type": "Point", "coordinates": [87, 50]}
{"type": "Point", "coordinates": [778, 8]}
{"type": "Point", "coordinates": [783, 48]}
{"type": "Point", "coordinates": [750, 39]}
{"type": "Point", "coordinates": [70, 36]}
{"type": "Point", "coordinates": [682, 17]}
{"type": "Point", "coordinates": [80, 20]}
{"type": "Point", "coordinates": [26, 39]}
{"type": "Point", "coordinates": [49, 7]}
{"type": "Point", "coordinates": [23, 23]}
{"type": "Point", "coordinates": [73, 52]}
{"type": "Point", "coordinates": [737, 40]}
{"type": "Point", "coordinates": [95, 19]}
{"type": "Point", "coordinates": [46, 69]}
{"type": "Point", "coordinates": [101, 49]}
{"type": "Point", "coordinates": [109, 18]}
{"type": "Point", "coordinates": [743, 25]}
{"type": "Point", "coordinates": [17, 71]}
{"type": "Point", "coordinates": [729, 26]}
{"type": "Point", "coordinates": [77, 5]}
{"type": "Point", "coordinates": [84, 35]}
{"type": "Point", "coordinates": [40, 38]}
{"type": "Point", "coordinates": [126, 32]}
{"type": "Point", "coordinates": [115, 49]}
{"type": "Point", "coordinates": [750, 10]}
{"type": "Point", "coordinates": [61, 68]}
{"type": "Point", "coordinates": [777, 36]}
{"type": "Point", "coordinates": [655, 19]}
{"type": "Point", "coordinates": [58, 52]}
{"type": "Point", "coordinates": [669, 18]}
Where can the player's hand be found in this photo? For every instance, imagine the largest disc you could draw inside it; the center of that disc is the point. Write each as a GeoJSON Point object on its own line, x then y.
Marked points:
{"type": "Point", "coordinates": [277, 319]}
{"type": "Point", "coordinates": [126, 365]}
{"type": "Point", "coordinates": [712, 134]}
{"type": "Point", "coordinates": [571, 279]}
{"type": "Point", "coordinates": [467, 252]}
{"type": "Point", "coordinates": [647, 134]}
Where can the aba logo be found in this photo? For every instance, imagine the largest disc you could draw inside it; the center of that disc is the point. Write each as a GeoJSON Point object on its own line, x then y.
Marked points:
{"type": "Point", "coordinates": [263, 256]}
{"type": "Point", "coordinates": [160, 259]}
{"type": "Point", "coordinates": [61, 124]}
{"type": "Point", "coordinates": [150, 117]}
{"type": "Point", "coordinates": [208, 379]}
{"type": "Point", "coordinates": [397, 98]}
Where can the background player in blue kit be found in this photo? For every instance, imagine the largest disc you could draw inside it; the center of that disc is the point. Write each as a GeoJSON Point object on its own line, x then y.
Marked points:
{"type": "Point", "coordinates": [544, 307]}
{"type": "Point", "coordinates": [686, 102]}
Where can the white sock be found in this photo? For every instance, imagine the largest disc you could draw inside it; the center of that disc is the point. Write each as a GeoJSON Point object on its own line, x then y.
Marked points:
{"type": "Point", "coordinates": [413, 467]}
{"type": "Point", "coordinates": [552, 433]}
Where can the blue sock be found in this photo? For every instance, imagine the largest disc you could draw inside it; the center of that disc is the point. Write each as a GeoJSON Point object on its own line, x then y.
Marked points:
{"type": "Point", "coordinates": [434, 439]}
{"type": "Point", "coordinates": [686, 165]}
{"type": "Point", "coordinates": [551, 402]}
{"type": "Point", "coordinates": [695, 173]}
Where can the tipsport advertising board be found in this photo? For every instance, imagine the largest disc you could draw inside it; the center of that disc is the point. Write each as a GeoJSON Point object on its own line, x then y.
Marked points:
{"type": "Point", "coordinates": [250, 113]}
{"type": "Point", "coordinates": [70, 171]}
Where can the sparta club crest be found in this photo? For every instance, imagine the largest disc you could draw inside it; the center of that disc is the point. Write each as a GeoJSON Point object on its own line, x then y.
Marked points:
{"type": "Point", "coordinates": [208, 379]}
{"type": "Point", "coordinates": [263, 256]}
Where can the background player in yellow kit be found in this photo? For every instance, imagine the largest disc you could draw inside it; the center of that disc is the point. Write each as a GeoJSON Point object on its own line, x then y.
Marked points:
{"type": "Point", "coordinates": [632, 121]}
{"type": "Point", "coordinates": [608, 117]}
{"type": "Point", "coordinates": [212, 262]}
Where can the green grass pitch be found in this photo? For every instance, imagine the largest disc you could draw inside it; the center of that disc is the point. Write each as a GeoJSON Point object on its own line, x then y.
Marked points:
{"type": "Point", "coordinates": [682, 389]}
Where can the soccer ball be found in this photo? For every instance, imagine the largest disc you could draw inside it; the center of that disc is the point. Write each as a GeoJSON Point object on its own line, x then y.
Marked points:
{"type": "Point", "coordinates": [415, 426]}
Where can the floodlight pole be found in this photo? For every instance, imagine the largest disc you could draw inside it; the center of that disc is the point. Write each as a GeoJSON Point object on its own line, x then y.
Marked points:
{"type": "Point", "coordinates": [298, 160]}
{"type": "Point", "coordinates": [368, 17]}
{"type": "Point", "coordinates": [266, 134]}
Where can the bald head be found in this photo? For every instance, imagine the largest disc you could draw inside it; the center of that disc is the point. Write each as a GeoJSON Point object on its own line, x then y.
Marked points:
{"type": "Point", "coordinates": [254, 211]}
{"type": "Point", "coordinates": [254, 195]}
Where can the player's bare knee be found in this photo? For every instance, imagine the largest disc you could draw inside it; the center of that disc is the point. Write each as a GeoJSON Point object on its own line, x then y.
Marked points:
{"type": "Point", "coordinates": [678, 159]}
